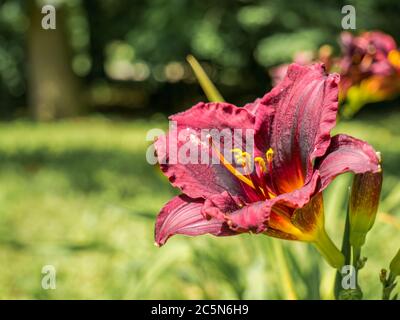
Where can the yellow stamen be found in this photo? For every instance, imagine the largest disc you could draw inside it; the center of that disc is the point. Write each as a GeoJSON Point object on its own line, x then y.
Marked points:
{"type": "Point", "coordinates": [261, 162]}
{"type": "Point", "coordinates": [232, 169]}
{"type": "Point", "coordinates": [241, 157]}
{"type": "Point", "coordinates": [236, 151]}
{"type": "Point", "coordinates": [244, 159]}
{"type": "Point", "coordinates": [269, 155]}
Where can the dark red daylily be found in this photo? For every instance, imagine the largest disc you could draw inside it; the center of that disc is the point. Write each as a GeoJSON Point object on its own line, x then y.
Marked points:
{"type": "Point", "coordinates": [295, 158]}
{"type": "Point", "coordinates": [369, 66]}
{"type": "Point", "coordinates": [369, 52]}
{"type": "Point", "coordinates": [369, 55]}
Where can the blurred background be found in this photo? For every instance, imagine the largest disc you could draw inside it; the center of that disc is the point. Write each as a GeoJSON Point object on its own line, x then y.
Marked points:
{"type": "Point", "coordinates": [76, 103]}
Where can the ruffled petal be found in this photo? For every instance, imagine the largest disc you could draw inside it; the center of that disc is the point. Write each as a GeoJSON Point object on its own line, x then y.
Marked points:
{"type": "Point", "coordinates": [345, 154]}
{"type": "Point", "coordinates": [186, 155]}
{"type": "Point", "coordinates": [253, 217]}
{"type": "Point", "coordinates": [305, 105]}
{"type": "Point", "coordinates": [258, 216]}
{"type": "Point", "coordinates": [239, 216]}
{"type": "Point", "coordinates": [220, 205]}
{"type": "Point", "coordinates": [182, 215]}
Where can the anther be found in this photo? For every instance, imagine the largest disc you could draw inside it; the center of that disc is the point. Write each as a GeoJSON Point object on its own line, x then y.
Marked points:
{"type": "Point", "coordinates": [269, 155]}
{"type": "Point", "coordinates": [261, 163]}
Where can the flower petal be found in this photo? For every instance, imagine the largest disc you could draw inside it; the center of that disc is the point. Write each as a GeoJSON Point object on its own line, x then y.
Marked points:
{"type": "Point", "coordinates": [295, 215]}
{"type": "Point", "coordinates": [199, 178]}
{"type": "Point", "coordinates": [300, 197]}
{"type": "Point", "coordinates": [264, 117]}
{"type": "Point", "coordinates": [218, 115]}
{"type": "Point", "coordinates": [219, 205]}
{"type": "Point", "coordinates": [345, 154]}
{"type": "Point", "coordinates": [240, 217]}
{"type": "Point", "coordinates": [182, 215]}
{"type": "Point", "coordinates": [305, 105]}
{"type": "Point", "coordinates": [255, 217]}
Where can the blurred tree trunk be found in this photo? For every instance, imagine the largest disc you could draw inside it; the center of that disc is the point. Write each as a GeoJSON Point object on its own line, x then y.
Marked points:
{"type": "Point", "coordinates": [53, 87]}
{"type": "Point", "coordinates": [97, 37]}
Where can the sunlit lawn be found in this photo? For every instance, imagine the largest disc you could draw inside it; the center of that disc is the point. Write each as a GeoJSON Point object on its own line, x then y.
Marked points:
{"type": "Point", "coordinates": [80, 195]}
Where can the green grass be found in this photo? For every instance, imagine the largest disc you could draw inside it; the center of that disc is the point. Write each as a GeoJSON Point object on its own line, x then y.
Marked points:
{"type": "Point", "coordinates": [80, 195]}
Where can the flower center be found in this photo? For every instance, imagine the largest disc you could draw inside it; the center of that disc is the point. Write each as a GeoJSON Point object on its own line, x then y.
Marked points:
{"type": "Point", "coordinates": [253, 177]}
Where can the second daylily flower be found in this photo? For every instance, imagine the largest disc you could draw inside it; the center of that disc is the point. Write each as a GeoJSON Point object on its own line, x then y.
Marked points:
{"type": "Point", "coordinates": [295, 158]}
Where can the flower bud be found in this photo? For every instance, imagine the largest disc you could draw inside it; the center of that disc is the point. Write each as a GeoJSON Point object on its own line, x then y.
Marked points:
{"type": "Point", "coordinates": [364, 201]}
{"type": "Point", "coordinates": [395, 265]}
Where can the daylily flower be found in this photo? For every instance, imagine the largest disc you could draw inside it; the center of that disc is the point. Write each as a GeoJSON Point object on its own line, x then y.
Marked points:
{"type": "Point", "coordinates": [295, 159]}
{"type": "Point", "coordinates": [369, 68]}
{"type": "Point", "coordinates": [367, 55]}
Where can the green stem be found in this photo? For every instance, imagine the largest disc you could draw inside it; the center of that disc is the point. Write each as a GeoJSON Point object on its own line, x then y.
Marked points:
{"type": "Point", "coordinates": [356, 260]}
{"type": "Point", "coordinates": [357, 266]}
{"type": "Point", "coordinates": [356, 256]}
{"type": "Point", "coordinates": [328, 250]}
{"type": "Point", "coordinates": [346, 251]}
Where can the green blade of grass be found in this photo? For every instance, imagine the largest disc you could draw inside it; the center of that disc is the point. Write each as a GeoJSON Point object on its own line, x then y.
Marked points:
{"type": "Point", "coordinates": [283, 271]}
{"type": "Point", "coordinates": [208, 87]}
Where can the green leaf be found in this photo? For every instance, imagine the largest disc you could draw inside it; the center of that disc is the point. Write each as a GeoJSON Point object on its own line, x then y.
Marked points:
{"type": "Point", "coordinates": [208, 87]}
